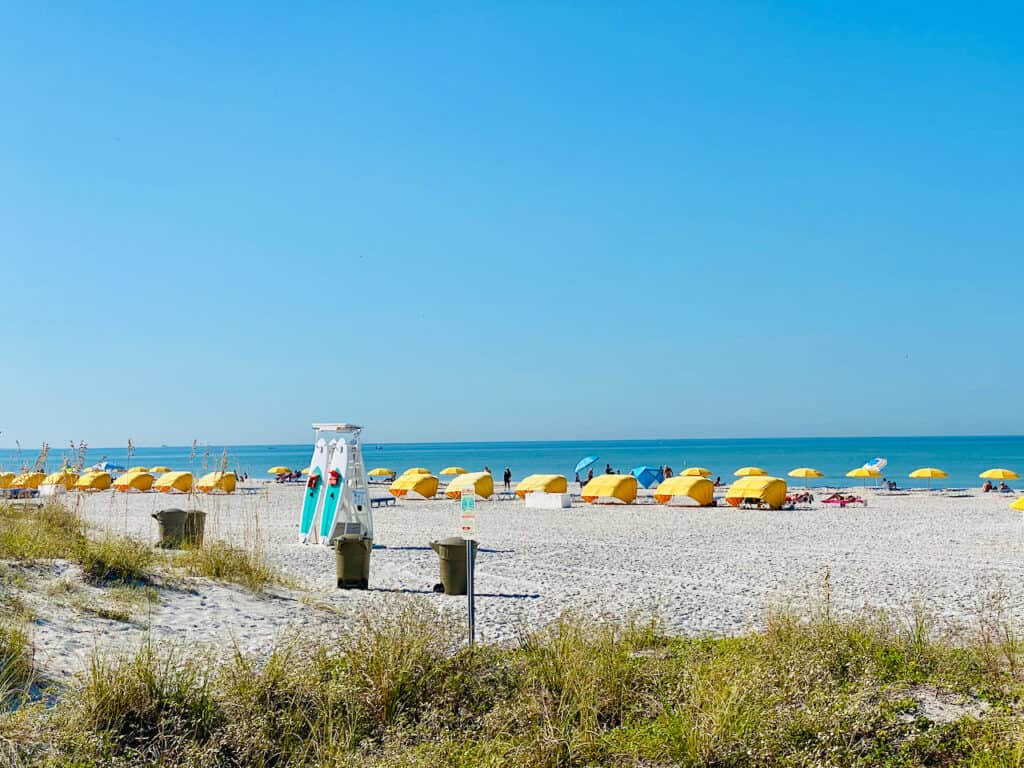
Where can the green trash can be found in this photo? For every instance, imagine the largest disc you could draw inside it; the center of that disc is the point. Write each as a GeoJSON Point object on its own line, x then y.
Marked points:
{"type": "Point", "coordinates": [452, 555]}
{"type": "Point", "coordinates": [180, 528]}
{"type": "Point", "coordinates": [352, 557]}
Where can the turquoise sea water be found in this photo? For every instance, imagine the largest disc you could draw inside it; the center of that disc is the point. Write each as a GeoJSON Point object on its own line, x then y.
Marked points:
{"type": "Point", "coordinates": [962, 457]}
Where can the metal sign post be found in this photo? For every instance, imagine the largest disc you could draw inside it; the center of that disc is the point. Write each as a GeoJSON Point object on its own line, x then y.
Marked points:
{"type": "Point", "coordinates": [467, 524]}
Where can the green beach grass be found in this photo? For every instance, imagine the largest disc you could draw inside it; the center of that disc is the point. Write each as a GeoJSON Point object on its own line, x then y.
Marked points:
{"type": "Point", "coordinates": [29, 535]}
{"type": "Point", "coordinates": [402, 689]}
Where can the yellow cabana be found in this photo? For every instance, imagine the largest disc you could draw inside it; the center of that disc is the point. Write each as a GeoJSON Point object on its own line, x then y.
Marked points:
{"type": "Point", "coordinates": [6, 478]}
{"type": "Point", "coordinates": [217, 481]}
{"type": "Point", "coordinates": [28, 480]}
{"type": "Point", "coordinates": [610, 489]}
{"type": "Point", "coordinates": [93, 481]}
{"type": "Point", "coordinates": [63, 478]}
{"type": "Point", "coordinates": [673, 490]}
{"type": "Point", "coordinates": [133, 481]}
{"type": "Point", "coordinates": [417, 485]}
{"type": "Point", "coordinates": [170, 482]}
{"type": "Point", "coordinates": [481, 483]}
{"type": "Point", "coordinates": [159, 470]}
{"type": "Point", "coordinates": [541, 484]}
{"type": "Point", "coordinates": [381, 472]}
{"type": "Point", "coordinates": [766, 490]}
{"type": "Point", "coordinates": [279, 470]}
{"type": "Point", "coordinates": [999, 474]}
{"type": "Point", "coordinates": [417, 471]}
{"type": "Point", "coordinates": [1018, 504]}
{"type": "Point", "coordinates": [750, 472]}
{"type": "Point", "coordinates": [453, 471]}
{"type": "Point", "coordinates": [696, 472]}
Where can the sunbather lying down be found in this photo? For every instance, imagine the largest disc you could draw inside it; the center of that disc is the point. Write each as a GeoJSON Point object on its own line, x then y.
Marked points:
{"type": "Point", "coordinates": [800, 498]}
{"type": "Point", "coordinates": [842, 501]}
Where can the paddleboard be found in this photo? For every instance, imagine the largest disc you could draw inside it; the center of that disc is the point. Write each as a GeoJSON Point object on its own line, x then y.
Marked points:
{"type": "Point", "coordinates": [334, 490]}
{"type": "Point", "coordinates": [314, 489]}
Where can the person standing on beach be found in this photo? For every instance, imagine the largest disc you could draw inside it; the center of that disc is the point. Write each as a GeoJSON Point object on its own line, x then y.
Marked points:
{"type": "Point", "coordinates": [590, 475]}
{"type": "Point", "coordinates": [508, 479]}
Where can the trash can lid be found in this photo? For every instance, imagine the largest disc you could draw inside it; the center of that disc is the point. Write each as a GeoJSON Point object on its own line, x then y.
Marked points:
{"type": "Point", "coordinates": [452, 541]}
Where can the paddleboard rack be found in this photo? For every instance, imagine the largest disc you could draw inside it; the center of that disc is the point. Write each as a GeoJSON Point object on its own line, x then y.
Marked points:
{"type": "Point", "coordinates": [343, 467]}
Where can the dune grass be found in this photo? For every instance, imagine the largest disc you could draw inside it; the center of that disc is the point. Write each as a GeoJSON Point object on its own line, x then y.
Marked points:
{"type": "Point", "coordinates": [402, 689]}
{"type": "Point", "coordinates": [28, 534]}
{"type": "Point", "coordinates": [225, 562]}
{"type": "Point", "coordinates": [16, 668]}
{"type": "Point", "coordinates": [116, 559]}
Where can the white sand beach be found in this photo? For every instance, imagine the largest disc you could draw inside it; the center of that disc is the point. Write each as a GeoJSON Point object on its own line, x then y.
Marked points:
{"type": "Point", "coordinates": [716, 570]}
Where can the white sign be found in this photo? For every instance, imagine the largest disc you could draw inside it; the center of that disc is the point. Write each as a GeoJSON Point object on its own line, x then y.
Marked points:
{"type": "Point", "coordinates": [467, 520]}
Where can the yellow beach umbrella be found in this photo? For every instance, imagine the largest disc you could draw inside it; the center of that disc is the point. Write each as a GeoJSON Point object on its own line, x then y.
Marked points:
{"type": "Point", "coordinates": [279, 470]}
{"type": "Point", "coordinates": [453, 471]}
{"type": "Point", "coordinates": [381, 472]}
{"type": "Point", "coordinates": [999, 474]}
{"type": "Point", "coordinates": [929, 474]}
{"type": "Point", "coordinates": [696, 472]}
{"type": "Point", "coordinates": [306, 471]}
{"type": "Point", "coordinates": [417, 471]}
{"type": "Point", "coordinates": [139, 469]}
{"type": "Point", "coordinates": [864, 472]}
{"type": "Point", "coordinates": [749, 472]}
{"type": "Point", "coordinates": [159, 470]}
{"type": "Point", "coordinates": [1018, 504]}
{"type": "Point", "coordinates": [805, 473]}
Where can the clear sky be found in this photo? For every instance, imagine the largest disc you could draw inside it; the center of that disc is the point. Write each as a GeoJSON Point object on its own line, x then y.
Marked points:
{"type": "Point", "coordinates": [521, 220]}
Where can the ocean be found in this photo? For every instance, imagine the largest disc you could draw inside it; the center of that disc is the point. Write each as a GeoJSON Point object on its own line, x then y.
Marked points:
{"type": "Point", "coordinates": [962, 457]}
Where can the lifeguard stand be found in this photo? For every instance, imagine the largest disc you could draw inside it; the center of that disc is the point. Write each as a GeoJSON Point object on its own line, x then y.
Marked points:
{"type": "Point", "coordinates": [354, 513]}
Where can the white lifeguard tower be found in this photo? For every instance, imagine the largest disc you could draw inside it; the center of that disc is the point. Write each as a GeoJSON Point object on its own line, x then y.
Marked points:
{"type": "Point", "coordinates": [345, 455]}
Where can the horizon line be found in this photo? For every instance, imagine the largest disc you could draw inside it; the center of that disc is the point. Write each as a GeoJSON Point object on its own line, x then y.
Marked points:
{"type": "Point", "coordinates": [580, 441]}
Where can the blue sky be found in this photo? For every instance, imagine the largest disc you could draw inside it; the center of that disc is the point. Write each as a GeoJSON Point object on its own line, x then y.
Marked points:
{"type": "Point", "coordinates": [466, 221]}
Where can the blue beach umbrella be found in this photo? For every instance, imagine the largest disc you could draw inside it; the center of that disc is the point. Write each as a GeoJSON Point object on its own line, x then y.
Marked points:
{"type": "Point", "coordinates": [106, 466]}
{"type": "Point", "coordinates": [582, 464]}
{"type": "Point", "coordinates": [648, 476]}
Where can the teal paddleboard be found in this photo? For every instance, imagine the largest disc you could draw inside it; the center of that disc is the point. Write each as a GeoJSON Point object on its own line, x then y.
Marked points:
{"type": "Point", "coordinates": [334, 488]}
{"type": "Point", "coordinates": [314, 487]}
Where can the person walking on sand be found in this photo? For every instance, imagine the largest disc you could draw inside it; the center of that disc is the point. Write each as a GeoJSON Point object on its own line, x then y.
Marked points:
{"type": "Point", "coordinates": [508, 479]}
